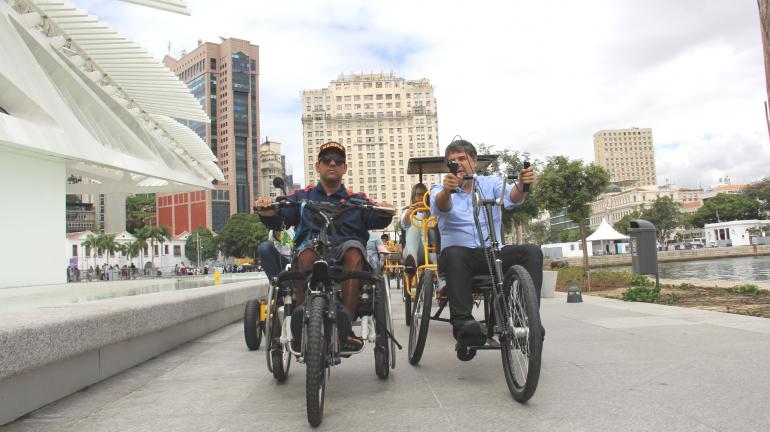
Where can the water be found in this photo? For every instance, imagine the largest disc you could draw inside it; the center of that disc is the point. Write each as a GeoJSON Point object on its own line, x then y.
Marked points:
{"type": "Point", "coordinates": [12, 299]}
{"type": "Point", "coordinates": [724, 269]}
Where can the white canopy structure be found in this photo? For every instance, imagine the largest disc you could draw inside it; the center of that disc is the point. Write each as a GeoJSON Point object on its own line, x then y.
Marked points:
{"type": "Point", "coordinates": [605, 234]}
{"type": "Point", "coordinates": [86, 110]}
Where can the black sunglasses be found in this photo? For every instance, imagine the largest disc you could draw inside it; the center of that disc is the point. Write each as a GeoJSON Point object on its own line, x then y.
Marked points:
{"type": "Point", "coordinates": [326, 160]}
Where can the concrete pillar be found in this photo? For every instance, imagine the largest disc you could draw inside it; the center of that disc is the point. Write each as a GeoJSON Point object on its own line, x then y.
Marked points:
{"type": "Point", "coordinates": [114, 212]}
{"type": "Point", "coordinates": [33, 190]}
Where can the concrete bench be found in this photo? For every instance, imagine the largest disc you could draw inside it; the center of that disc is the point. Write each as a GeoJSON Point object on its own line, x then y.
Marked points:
{"type": "Point", "coordinates": [47, 353]}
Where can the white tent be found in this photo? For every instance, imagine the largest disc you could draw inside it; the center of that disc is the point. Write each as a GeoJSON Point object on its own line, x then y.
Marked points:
{"type": "Point", "coordinates": [605, 233]}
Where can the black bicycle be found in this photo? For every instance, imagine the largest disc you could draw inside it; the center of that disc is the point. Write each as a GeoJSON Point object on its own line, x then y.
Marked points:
{"type": "Point", "coordinates": [511, 311]}
{"type": "Point", "coordinates": [318, 346]}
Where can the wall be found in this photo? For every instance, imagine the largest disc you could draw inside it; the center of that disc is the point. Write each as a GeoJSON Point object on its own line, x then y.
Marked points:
{"type": "Point", "coordinates": [33, 191]}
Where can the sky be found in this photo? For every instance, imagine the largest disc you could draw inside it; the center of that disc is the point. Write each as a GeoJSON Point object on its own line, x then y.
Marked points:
{"type": "Point", "coordinates": [534, 76]}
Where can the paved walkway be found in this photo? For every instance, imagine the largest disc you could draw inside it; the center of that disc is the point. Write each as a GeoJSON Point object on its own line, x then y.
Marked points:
{"type": "Point", "coordinates": [608, 366]}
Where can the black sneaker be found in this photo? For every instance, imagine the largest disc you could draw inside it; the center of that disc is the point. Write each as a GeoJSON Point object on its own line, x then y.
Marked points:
{"type": "Point", "coordinates": [470, 333]}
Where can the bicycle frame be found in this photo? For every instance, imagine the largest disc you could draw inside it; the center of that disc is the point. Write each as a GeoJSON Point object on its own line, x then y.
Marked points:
{"type": "Point", "coordinates": [425, 225]}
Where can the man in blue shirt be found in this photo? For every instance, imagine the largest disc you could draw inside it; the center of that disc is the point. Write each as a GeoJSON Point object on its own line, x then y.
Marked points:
{"type": "Point", "coordinates": [462, 256]}
{"type": "Point", "coordinates": [352, 234]}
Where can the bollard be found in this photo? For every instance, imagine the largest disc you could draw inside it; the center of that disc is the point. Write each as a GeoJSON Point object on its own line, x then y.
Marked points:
{"type": "Point", "coordinates": [217, 277]}
{"type": "Point", "coordinates": [574, 295]}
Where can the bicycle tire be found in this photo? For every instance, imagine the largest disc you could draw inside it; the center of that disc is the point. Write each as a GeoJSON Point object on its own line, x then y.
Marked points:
{"type": "Point", "coordinates": [315, 361]}
{"type": "Point", "coordinates": [279, 355]}
{"type": "Point", "coordinates": [522, 304]}
{"type": "Point", "coordinates": [269, 326]}
{"type": "Point", "coordinates": [418, 330]}
{"type": "Point", "coordinates": [382, 341]}
{"type": "Point", "coordinates": [252, 331]}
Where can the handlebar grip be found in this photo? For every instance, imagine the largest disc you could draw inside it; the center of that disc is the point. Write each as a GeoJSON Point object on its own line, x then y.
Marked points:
{"type": "Point", "coordinates": [526, 186]}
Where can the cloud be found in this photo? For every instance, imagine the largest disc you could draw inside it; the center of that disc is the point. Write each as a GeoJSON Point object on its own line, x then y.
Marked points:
{"type": "Point", "coordinates": [534, 76]}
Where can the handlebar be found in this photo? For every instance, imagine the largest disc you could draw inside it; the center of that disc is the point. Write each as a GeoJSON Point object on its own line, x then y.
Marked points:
{"type": "Point", "coordinates": [283, 202]}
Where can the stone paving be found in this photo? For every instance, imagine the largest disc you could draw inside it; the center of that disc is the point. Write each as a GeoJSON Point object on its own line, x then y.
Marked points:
{"type": "Point", "coordinates": [608, 366]}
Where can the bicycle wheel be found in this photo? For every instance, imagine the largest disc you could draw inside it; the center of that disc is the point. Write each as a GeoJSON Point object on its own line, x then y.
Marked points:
{"type": "Point", "coordinates": [381, 344]}
{"type": "Point", "coordinates": [418, 330]}
{"type": "Point", "coordinates": [280, 355]}
{"type": "Point", "coordinates": [269, 326]}
{"type": "Point", "coordinates": [315, 361]}
{"type": "Point", "coordinates": [522, 343]}
{"type": "Point", "coordinates": [407, 299]}
{"type": "Point", "coordinates": [252, 331]}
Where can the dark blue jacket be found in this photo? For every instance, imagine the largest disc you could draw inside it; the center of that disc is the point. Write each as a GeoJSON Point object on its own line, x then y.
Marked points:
{"type": "Point", "coordinates": [355, 223]}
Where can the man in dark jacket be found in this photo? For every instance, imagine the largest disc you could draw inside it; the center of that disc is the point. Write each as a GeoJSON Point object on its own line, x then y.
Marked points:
{"type": "Point", "coordinates": [351, 235]}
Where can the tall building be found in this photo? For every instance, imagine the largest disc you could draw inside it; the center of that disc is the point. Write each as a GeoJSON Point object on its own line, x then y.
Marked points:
{"type": "Point", "coordinates": [382, 120]}
{"type": "Point", "coordinates": [627, 154]}
{"type": "Point", "coordinates": [271, 166]}
{"type": "Point", "coordinates": [224, 78]}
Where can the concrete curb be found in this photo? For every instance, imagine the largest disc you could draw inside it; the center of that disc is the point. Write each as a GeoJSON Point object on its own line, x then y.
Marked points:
{"type": "Point", "coordinates": [51, 352]}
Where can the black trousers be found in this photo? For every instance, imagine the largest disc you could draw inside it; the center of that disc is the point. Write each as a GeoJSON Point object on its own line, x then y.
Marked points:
{"type": "Point", "coordinates": [459, 264]}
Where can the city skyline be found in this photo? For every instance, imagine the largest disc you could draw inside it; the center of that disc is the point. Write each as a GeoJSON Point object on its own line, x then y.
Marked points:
{"type": "Point", "coordinates": [540, 78]}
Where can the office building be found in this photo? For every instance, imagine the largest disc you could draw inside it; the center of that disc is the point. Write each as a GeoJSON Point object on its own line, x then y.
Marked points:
{"type": "Point", "coordinates": [271, 166]}
{"type": "Point", "coordinates": [627, 154]}
{"type": "Point", "coordinates": [382, 120]}
{"type": "Point", "coordinates": [224, 78]}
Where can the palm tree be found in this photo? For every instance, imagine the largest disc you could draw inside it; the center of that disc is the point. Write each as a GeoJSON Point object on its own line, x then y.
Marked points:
{"type": "Point", "coordinates": [153, 234]}
{"type": "Point", "coordinates": [90, 244]}
{"type": "Point", "coordinates": [106, 243]}
{"type": "Point", "coordinates": [165, 235]}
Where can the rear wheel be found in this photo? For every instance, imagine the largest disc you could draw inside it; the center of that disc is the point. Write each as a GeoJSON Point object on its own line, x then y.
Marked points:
{"type": "Point", "coordinates": [382, 348]}
{"type": "Point", "coordinates": [315, 361]}
{"type": "Point", "coordinates": [522, 343]}
{"type": "Point", "coordinates": [418, 330]}
{"type": "Point", "coordinates": [252, 330]}
{"type": "Point", "coordinates": [270, 334]}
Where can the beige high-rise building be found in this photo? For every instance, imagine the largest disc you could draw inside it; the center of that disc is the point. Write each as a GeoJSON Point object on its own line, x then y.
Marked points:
{"type": "Point", "coordinates": [270, 167]}
{"type": "Point", "coordinates": [382, 120]}
{"type": "Point", "coordinates": [627, 154]}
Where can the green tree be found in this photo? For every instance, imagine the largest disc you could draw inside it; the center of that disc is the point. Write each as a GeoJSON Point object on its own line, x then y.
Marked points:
{"type": "Point", "coordinates": [133, 250]}
{"type": "Point", "coordinates": [241, 235]}
{"type": "Point", "coordinates": [208, 246]}
{"type": "Point", "coordinates": [139, 208]}
{"type": "Point", "coordinates": [760, 191]}
{"type": "Point", "coordinates": [511, 162]}
{"type": "Point", "coordinates": [538, 232]}
{"type": "Point", "coordinates": [664, 213]}
{"type": "Point", "coordinates": [570, 184]}
{"type": "Point", "coordinates": [621, 226]}
{"type": "Point", "coordinates": [153, 235]}
{"type": "Point", "coordinates": [726, 207]}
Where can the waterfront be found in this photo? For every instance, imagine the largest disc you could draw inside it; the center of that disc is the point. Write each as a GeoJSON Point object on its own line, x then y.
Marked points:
{"type": "Point", "coordinates": [12, 299]}
{"type": "Point", "coordinates": [738, 269]}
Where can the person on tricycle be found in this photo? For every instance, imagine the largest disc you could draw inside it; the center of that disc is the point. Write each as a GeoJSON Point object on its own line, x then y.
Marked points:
{"type": "Point", "coordinates": [461, 255]}
{"type": "Point", "coordinates": [351, 236]}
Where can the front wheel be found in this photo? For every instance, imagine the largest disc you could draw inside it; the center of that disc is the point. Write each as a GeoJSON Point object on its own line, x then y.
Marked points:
{"type": "Point", "coordinates": [280, 356]}
{"type": "Point", "coordinates": [522, 341]}
{"type": "Point", "coordinates": [315, 361]}
{"type": "Point", "coordinates": [418, 330]}
{"type": "Point", "coordinates": [252, 330]}
{"type": "Point", "coordinates": [382, 348]}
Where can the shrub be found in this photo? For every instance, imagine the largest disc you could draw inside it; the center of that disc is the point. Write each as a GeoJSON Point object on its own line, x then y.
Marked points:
{"type": "Point", "coordinates": [686, 286]}
{"type": "Point", "coordinates": [568, 277]}
{"type": "Point", "coordinates": [744, 289]}
{"type": "Point", "coordinates": [642, 294]}
{"type": "Point", "coordinates": [641, 281]}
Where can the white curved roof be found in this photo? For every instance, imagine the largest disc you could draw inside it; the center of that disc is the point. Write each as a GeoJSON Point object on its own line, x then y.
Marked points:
{"type": "Point", "coordinates": [178, 6]}
{"type": "Point", "coordinates": [79, 91]}
{"type": "Point", "coordinates": [605, 232]}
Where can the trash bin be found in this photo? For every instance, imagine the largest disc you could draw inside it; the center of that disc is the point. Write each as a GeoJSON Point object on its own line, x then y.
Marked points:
{"type": "Point", "coordinates": [644, 247]}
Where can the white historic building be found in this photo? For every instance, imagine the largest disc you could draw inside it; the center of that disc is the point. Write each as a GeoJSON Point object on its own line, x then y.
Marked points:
{"type": "Point", "coordinates": [80, 101]}
{"type": "Point", "coordinates": [732, 232]}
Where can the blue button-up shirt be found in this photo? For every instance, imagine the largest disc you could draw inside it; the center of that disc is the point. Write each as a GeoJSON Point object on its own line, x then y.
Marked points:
{"type": "Point", "coordinates": [355, 223]}
{"type": "Point", "coordinates": [456, 225]}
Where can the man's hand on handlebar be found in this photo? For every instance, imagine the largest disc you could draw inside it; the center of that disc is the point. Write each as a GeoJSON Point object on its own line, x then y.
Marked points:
{"type": "Point", "coordinates": [451, 182]}
{"type": "Point", "coordinates": [263, 207]}
{"type": "Point", "coordinates": [527, 175]}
